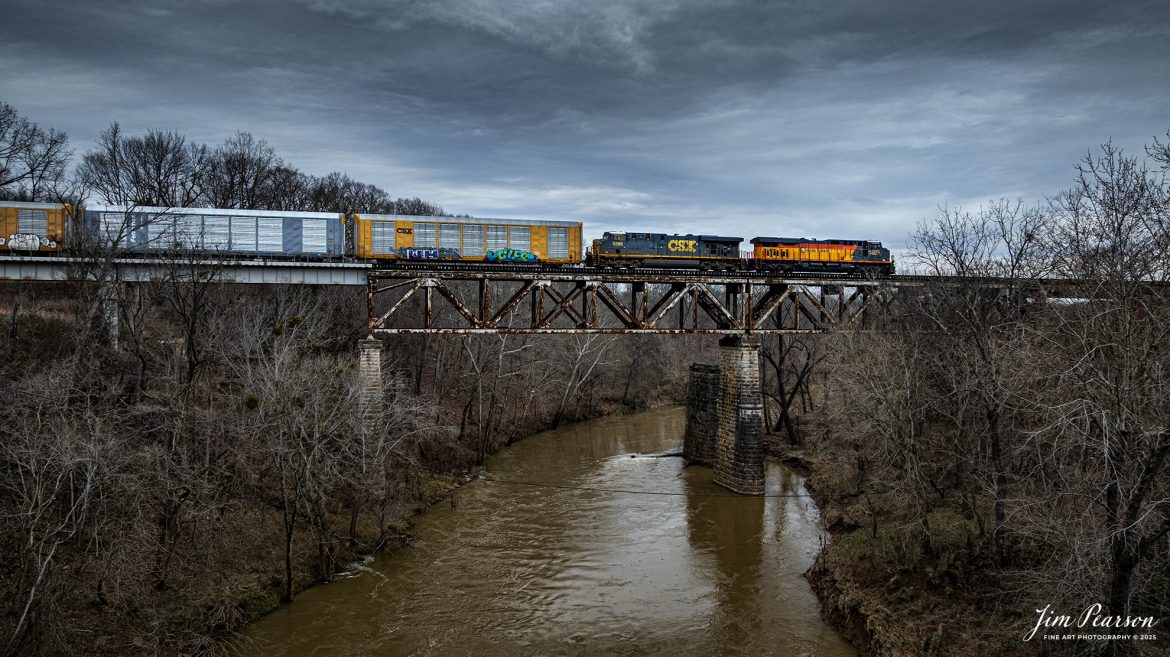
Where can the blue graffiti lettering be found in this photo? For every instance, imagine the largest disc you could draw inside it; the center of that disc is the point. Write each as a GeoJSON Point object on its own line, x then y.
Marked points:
{"type": "Point", "coordinates": [428, 254]}
{"type": "Point", "coordinates": [511, 255]}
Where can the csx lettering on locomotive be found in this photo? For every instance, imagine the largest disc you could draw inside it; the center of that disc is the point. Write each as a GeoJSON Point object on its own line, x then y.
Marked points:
{"type": "Point", "coordinates": [682, 245]}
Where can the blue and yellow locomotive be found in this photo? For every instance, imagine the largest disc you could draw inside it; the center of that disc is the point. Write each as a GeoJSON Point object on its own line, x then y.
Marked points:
{"type": "Point", "coordinates": [621, 249]}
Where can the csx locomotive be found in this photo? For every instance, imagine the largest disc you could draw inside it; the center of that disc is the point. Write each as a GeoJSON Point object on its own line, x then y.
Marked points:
{"type": "Point", "coordinates": [784, 255]}
{"type": "Point", "coordinates": [49, 228]}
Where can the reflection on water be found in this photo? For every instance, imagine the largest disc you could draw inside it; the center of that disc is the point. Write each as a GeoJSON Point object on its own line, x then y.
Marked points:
{"type": "Point", "coordinates": [676, 566]}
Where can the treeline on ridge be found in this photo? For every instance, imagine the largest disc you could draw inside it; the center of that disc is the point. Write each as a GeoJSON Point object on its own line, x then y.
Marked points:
{"type": "Point", "coordinates": [165, 169]}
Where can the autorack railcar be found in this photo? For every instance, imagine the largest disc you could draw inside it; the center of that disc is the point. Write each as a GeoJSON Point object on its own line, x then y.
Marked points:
{"type": "Point", "coordinates": [792, 254]}
{"type": "Point", "coordinates": [622, 249]}
{"type": "Point", "coordinates": [219, 231]}
{"type": "Point", "coordinates": [33, 227]}
{"type": "Point", "coordinates": [515, 241]}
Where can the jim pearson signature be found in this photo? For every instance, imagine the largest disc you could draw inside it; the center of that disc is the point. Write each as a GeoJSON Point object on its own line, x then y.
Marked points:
{"type": "Point", "coordinates": [1090, 617]}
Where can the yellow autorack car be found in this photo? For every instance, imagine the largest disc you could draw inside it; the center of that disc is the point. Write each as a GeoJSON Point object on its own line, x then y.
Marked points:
{"type": "Point", "coordinates": [401, 237]}
{"type": "Point", "coordinates": [33, 227]}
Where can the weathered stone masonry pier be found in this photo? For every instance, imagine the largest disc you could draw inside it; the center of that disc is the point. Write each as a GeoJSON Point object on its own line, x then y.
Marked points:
{"type": "Point", "coordinates": [725, 416]}
{"type": "Point", "coordinates": [702, 415]}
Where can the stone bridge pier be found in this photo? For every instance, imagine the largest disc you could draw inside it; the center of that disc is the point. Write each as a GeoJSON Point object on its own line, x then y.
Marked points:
{"type": "Point", "coordinates": [702, 415]}
{"type": "Point", "coordinates": [370, 375]}
{"type": "Point", "coordinates": [725, 416]}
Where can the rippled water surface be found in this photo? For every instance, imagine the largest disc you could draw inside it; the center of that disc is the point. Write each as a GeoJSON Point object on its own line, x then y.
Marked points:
{"type": "Point", "coordinates": [676, 567]}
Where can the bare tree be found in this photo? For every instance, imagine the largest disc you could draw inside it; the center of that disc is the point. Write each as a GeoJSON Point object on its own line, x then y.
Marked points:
{"type": "Point", "coordinates": [886, 378]}
{"type": "Point", "coordinates": [976, 323]}
{"type": "Point", "coordinates": [415, 206]}
{"type": "Point", "coordinates": [584, 357]}
{"type": "Point", "coordinates": [32, 159]}
{"type": "Point", "coordinates": [1110, 353]}
{"type": "Point", "coordinates": [191, 287]}
{"type": "Point", "coordinates": [57, 464]}
{"type": "Point", "coordinates": [288, 189]}
{"type": "Point", "coordinates": [790, 364]}
{"type": "Point", "coordinates": [159, 169]}
{"type": "Point", "coordinates": [494, 366]}
{"type": "Point", "coordinates": [242, 173]}
{"type": "Point", "coordinates": [337, 192]}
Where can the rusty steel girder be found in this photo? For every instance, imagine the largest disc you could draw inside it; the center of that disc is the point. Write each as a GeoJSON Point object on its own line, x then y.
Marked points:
{"type": "Point", "coordinates": [627, 302]}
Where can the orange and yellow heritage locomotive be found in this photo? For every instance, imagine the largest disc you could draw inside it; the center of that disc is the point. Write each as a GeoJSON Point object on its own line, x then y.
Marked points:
{"type": "Point", "coordinates": [791, 254]}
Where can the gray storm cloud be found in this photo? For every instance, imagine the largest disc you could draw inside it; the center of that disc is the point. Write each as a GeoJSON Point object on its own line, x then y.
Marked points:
{"type": "Point", "coordinates": [848, 118]}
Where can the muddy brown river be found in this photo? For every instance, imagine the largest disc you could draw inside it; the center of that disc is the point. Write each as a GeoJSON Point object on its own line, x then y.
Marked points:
{"type": "Point", "coordinates": [621, 551]}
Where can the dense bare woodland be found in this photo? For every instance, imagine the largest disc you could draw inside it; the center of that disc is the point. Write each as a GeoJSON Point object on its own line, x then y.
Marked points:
{"type": "Point", "coordinates": [156, 496]}
{"type": "Point", "coordinates": [990, 452]}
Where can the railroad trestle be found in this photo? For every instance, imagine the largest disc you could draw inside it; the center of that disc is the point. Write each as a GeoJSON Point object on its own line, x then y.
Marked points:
{"type": "Point", "coordinates": [591, 300]}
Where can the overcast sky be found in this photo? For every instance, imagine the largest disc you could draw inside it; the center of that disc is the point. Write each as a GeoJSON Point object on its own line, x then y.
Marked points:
{"type": "Point", "coordinates": [812, 118]}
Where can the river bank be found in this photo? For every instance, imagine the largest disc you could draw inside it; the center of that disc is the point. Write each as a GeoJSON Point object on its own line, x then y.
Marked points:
{"type": "Point", "coordinates": [593, 538]}
{"type": "Point", "coordinates": [888, 601]}
{"type": "Point", "coordinates": [912, 621]}
{"type": "Point", "coordinates": [437, 490]}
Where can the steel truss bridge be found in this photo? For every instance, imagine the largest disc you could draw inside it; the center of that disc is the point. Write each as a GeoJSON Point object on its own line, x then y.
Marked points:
{"type": "Point", "coordinates": [457, 298]}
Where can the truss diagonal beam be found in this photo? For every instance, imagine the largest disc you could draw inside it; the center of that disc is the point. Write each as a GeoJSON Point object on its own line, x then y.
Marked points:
{"type": "Point", "coordinates": [615, 305]}
{"type": "Point", "coordinates": [825, 314]}
{"type": "Point", "coordinates": [772, 300]}
{"type": "Point", "coordinates": [710, 304]}
{"type": "Point", "coordinates": [512, 302]}
{"type": "Point", "coordinates": [564, 306]}
{"type": "Point", "coordinates": [458, 305]}
{"type": "Point", "coordinates": [668, 301]}
{"type": "Point", "coordinates": [382, 320]}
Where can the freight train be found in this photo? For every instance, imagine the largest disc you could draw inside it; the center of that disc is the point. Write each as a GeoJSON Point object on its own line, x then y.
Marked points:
{"type": "Point", "coordinates": [51, 228]}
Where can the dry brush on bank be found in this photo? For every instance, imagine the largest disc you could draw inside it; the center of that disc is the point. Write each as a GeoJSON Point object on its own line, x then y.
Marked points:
{"type": "Point", "coordinates": [155, 496]}
{"type": "Point", "coordinates": [994, 452]}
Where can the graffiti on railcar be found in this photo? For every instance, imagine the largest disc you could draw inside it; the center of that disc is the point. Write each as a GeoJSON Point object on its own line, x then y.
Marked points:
{"type": "Point", "coordinates": [408, 253]}
{"type": "Point", "coordinates": [28, 242]}
{"type": "Point", "coordinates": [511, 255]}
